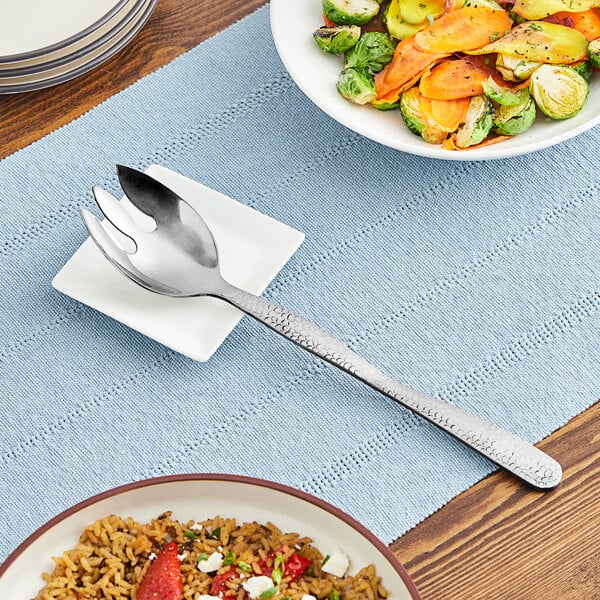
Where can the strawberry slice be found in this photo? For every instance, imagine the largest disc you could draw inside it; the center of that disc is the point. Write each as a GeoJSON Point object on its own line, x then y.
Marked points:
{"type": "Point", "coordinates": [163, 580]}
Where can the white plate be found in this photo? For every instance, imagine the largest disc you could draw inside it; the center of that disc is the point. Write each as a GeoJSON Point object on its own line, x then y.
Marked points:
{"type": "Point", "coordinates": [32, 26]}
{"type": "Point", "coordinates": [252, 250]}
{"type": "Point", "coordinates": [77, 63]}
{"type": "Point", "coordinates": [316, 73]}
{"type": "Point", "coordinates": [63, 53]}
{"type": "Point", "coordinates": [199, 497]}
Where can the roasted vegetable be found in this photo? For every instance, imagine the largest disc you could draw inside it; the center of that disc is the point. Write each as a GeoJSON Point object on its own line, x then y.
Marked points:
{"type": "Point", "coordinates": [482, 3]}
{"type": "Point", "coordinates": [586, 22]}
{"type": "Point", "coordinates": [350, 12]}
{"type": "Point", "coordinates": [373, 51]}
{"type": "Point", "coordinates": [478, 122]}
{"type": "Point", "coordinates": [594, 53]}
{"type": "Point", "coordinates": [433, 120]}
{"type": "Point", "coordinates": [515, 118]}
{"type": "Point", "coordinates": [455, 78]}
{"type": "Point", "coordinates": [395, 24]}
{"type": "Point", "coordinates": [584, 68]}
{"type": "Point", "coordinates": [466, 73]}
{"type": "Point", "coordinates": [463, 29]}
{"type": "Point", "coordinates": [540, 42]}
{"type": "Point", "coordinates": [501, 94]}
{"type": "Point", "coordinates": [337, 40]}
{"type": "Point", "coordinates": [559, 92]}
{"type": "Point", "coordinates": [514, 68]}
{"type": "Point", "coordinates": [385, 105]}
{"type": "Point", "coordinates": [538, 9]}
{"type": "Point", "coordinates": [356, 85]}
{"type": "Point", "coordinates": [405, 69]}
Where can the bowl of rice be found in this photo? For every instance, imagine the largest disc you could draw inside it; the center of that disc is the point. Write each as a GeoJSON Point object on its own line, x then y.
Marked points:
{"type": "Point", "coordinates": [237, 538]}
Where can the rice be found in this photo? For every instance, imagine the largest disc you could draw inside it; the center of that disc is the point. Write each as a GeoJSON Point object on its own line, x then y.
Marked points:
{"type": "Point", "coordinates": [113, 555]}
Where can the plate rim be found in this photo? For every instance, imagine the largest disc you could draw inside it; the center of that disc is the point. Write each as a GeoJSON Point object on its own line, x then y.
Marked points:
{"type": "Point", "coordinates": [218, 477]}
{"type": "Point", "coordinates": [68, 40]}
{"type": "Point", "coordinates": [136, 24]}
{"type": "Point", "coordinates": [69, 55]}
{"type": "Point", "coordinates": [277, 10]}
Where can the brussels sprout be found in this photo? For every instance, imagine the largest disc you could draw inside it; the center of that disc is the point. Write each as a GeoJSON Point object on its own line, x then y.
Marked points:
{"type": "Point", "coordinates": [356, 85]}
{"type": "Point", "coordinates": [373, 51]}
{"type": "Point", "coordinates": [422, 120]}
{"type": "Point", "coordinates": [337, 40]}
{"type": "Point", "coordinates": [410, 108]}
{"type": "Point", "coordinates": [514, 68]}
{"type": "Point", "coordinates": [350, 12]}
{"type": "Point", "coordinates": [559, 92]}
{"type": "Point", "coordinates": [500, 94]}
{"type": "Point", "coordinates": [478, 123]}
{"type": "Point", "coordinates": [594, 53]}
{"type": "Point", "coordinates": [385, 105]}
{"type": "Point", "coordinates": [517, 118]}
{"type": "Point", "coordinates": [584, 68]}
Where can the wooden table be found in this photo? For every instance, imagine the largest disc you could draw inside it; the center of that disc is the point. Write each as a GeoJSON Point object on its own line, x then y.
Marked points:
{"type": "Point", "coordinates": [498, 540]}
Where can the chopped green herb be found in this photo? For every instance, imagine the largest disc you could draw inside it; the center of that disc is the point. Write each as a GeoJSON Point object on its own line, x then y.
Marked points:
{"type": "Point", "coordinates": [326, 559]}
{"type": "Point", "coordinates": [334, 595]}
{"type": "Point", "coordinates": [216, 533]}
{"type": "Point", "coordinates": [190, 534]}
{"type": "Point", "coordinates": [535, 26]}
{"type": "Point", "coordinates": [278, 569]}
{"type": "Point", "coordinates": [421, 5]}
{"type": "Point", "coordinates": [202, 556]}
{"type": "Point", "coordinates": [494, 36]}
{"type": "Point", "coordinates": [244, 566]}
{"type": "Point", "coordinates": [268, 593]}
{"type": "Point", "coordinates": [310, 571]}
{"type": "Point", "coordinates": [229, 558]}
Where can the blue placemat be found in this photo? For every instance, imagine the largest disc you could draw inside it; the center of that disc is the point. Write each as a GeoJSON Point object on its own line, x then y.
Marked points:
{"type": "Point", "coordinates": [476, 282]}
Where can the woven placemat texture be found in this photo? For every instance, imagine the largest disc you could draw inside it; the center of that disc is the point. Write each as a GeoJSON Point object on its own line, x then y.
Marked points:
{"type": "Point", "coordinates": [477, 282]}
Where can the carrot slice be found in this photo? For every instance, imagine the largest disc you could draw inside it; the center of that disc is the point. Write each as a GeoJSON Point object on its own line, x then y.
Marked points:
{"type": "Point", "coordinates": [587, 22]}
{"type": "Point", "coordinates": [447, 114]}
{"type": "Point", "coordinates": [453, 79]}
{"type": "Point", "coordinates": [404, 70]}
{"type": "Point", "coordinates": [463, 29]}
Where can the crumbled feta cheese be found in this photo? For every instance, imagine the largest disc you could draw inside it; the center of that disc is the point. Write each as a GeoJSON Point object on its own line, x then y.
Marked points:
{"type": "Point", "coordinates": [207, 597]}
{"type": "Point", "coordinates": [337, 564]}
{"type": "Point", "coordinates": [182, 557]}
{"type": "Point", "coordinates": [152, 556]}
{"type": "Point", "coordinates": [196, 527]}
{"type": "Point", "coordinates": [255, 586]}
{"type": "Point", "coordinates": [213, 563]}
{"type": "Point", "coordinates": [308, 597]}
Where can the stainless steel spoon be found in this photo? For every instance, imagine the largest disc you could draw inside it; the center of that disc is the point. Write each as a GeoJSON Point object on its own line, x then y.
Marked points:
{"type": "Point", "coordinates": [179, 258]}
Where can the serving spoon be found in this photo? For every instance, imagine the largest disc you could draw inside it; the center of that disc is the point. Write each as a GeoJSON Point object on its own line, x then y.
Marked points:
{"type": "Point", "coordinates": [179, 258]}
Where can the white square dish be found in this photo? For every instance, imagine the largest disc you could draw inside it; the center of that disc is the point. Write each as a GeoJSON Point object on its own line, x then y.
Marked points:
{"type": "Point", "coordinates": [252, 250]}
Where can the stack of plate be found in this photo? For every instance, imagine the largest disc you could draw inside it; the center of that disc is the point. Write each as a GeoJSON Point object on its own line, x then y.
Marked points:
{"type": "Point", "coordinates": [45, 43]}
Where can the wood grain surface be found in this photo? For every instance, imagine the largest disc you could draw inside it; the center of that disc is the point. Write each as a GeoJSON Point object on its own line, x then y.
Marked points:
{"type": "Point", "coordinates": [498, 540]}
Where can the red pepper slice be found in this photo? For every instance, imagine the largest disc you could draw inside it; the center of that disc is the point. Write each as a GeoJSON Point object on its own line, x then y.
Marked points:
{"type": "Point", "coordinates": [163, 580]}
{"type": "Point", "coordinates": [295, 566]}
